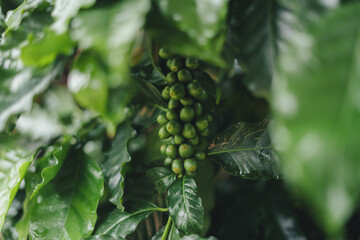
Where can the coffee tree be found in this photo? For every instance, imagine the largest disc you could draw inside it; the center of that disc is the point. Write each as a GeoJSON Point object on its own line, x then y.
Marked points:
{"type": "Point", "coordinates": [191, 120]}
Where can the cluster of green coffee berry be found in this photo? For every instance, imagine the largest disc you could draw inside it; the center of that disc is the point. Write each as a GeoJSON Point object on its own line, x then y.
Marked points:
{"type": "Point", "coordinates": [184, 121]}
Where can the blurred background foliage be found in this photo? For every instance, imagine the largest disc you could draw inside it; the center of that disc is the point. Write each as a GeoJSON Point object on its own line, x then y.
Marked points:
{"type": "Point", "coordinates": [79, 80]}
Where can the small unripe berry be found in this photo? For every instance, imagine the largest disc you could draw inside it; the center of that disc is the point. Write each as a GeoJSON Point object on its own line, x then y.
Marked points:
{"type": "Point", "coordinates": [171, 115]}
{"type": "Point", "coordinates": [186, 150]}
{"type": "Point", "coordinates": [194, 89]}
{"type": "Point", "coordinates": [179, 139]}
{"type": "Point", "coordinates": [187, 114]}
{"type": "Point", "coordinates": [177, 91]}
{"type": "Point", "coordinates": [205, 133]}
{"type": "Point", "coordinates": [163, 149]}
{"type": "Point", "coordinates": [177, 166]}
{"type": "Point", "coordinates": [172, 104]}
{"type": "Point", "coordinates": [191, 63]}
{"type": "Point", "coordinates": [171, 77]}
{"type": "Point", "coordinates": [163, 133]}
{"type": "Point", "coordinates": [167, 162]}
{"type": "Point", "coordinates": [189, 130]}
{"type": "Point", "coordinates": [165, 95]}
{"type": "Point", "coordinates": [194, 141]}
{"type": "Point", "coordinates": [173, 127]}
{"type": "Point", "coordinates": [198, 109]}
{"type": "Point", "coordinates": [191, 174]}
{"type": "Point", "coordinates": [171, 151]}
{"type": "Point", "coordinates": [190, 164]}
{"type": "Point", "coordinates": [201, 124]}
{"type": "Point", "coordinates": [164, 53]}
{"type": "Point", "coordinates": [187, 101]}
{"type": "Point", "coordinates": [162, 119]}
{"type": "Point", "coordinates": [175, 64]}
{"type": "Point", "coordinates": [184, 76]}
{"type": "Point", "coordinates": [200, 156]}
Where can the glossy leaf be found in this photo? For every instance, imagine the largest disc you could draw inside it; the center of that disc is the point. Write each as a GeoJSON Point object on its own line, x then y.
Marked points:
{"type": "Point", "coordinates": [159, 234]}
{"type": "Point", "coordinates": [13, 167]}
{"type": "Point", "coordinates": [114, 163]}
{"type": "Point", "coordinates": [191, 27]}
{"type": "Point", "coordinates": [50, 165]}
{"type": "Point", "coordinates": [162, 177]}
{"type": "Point", "coordinates": [245, 150]}
{"type": "Point", "coordinates": [64, 10]}
{"type": "Point", "coordinates": [107, 31]}
{"type": "Point", "coordinates": [24, 86]}
{"type": "Point", "coordinates": [121, 224]}
{"type": "Point", "coordinates": [14, 18]}
{"type": "Point", "coordinates": [174, 233]}
{"type": "Point", "coordinates": [185, 207]}
{"type": "Point", "coordinates": [66, 207]}
{"type": "Point", "coordinates": [41, 52]}
{"type": "Point", "coordinates": [105, 237]}
{"type": "Point", "coordinates": [316, 111]}
{"type": "Point", "coordinates": [87, 80]}
{"type": "Point", "coordinates": [196, 237]}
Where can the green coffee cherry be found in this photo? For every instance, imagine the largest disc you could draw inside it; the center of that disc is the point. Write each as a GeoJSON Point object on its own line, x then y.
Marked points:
{"type": "Point", "coordinates": [190, 164]}
{"type": "Point", "coordinates": [167, 162]}
{"type": "Point", "coordinates": [187, 101]}
{"type": "Point", "coordinates": [203, 96]}
{"type": "Point", "coordinates": [163, 149]}
{"type": "Point", "coordinates": [171, 77]}
{"type": "Point", "coordinates": [191, 174]}
{"type": "Point", "coordinates": [194, 89]}
{"type": "Point", "coordinates": [191, 63]}
{"type": "Point", "coordinates": [187, 114]}
{"type": "Point", "coordinates": [175, 64]}
{"type": "Point", "coordinates": [186, 150]}
{"type": "Point", "coordinates": [201, 124]}
{"type": "Point", "coordinates": [184, 76]}
{"type": "Point", "coordinates": [171, 151]}
{"type": "Point", "coordinates": [209, 117]}
{"type": "Point", "coordinates": [179, 139]}
{"type": "Point", "coordinates": [188, 130]}
{"type": "Point", "coordinates": [200, 156]}
{"type": "Point", "coordinates": [177, 91]}
{"type": "Point", "coordinates": [194, 141]}
{"type": "Point", "coordinates": [205, 133]}
{"type": "Point", "coordinates": [161, 118]}
{"type": "Point", "coordinates": [165, 95]}
{"type": "Point", "coordinates": [163, 133]}
{"type": "Point", "coordinates": [177, 166]}
{"type": "Point", "coordinates": [171, 115]}
{"type": "Point", "coordinates": [164, 53]}
{"type": "Point", "coordinates": [172, 104]}
{"type": "Point", "coordinates": [173, 127]}
{"type": "Point", "coordinates": [198, 109]}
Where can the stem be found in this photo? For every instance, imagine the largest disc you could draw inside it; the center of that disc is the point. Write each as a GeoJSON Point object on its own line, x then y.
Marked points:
{"type": "Point", "coordinates": [167, 229]}
{"type": "Point", "coordinates": [161, 209]}
{"type": "Point", "coordinates": [160, 107]}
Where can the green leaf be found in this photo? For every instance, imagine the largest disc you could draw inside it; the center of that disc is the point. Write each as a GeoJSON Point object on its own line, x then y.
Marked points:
{"type": "Point", "coordinates": [121, 224]}
{"type": "Point", "coordinates": [245, 150]}
{"type": "Point", "coordinates": [41, 52]}
{"type": "Point", "coordinates": [162, 177]}
{"type": "Point", "coordinates": [159, 234]}
{"type": "Point", "coordinates": [114, 163]}
{"type": "Point", "coordinates": [174, 233]}
{"type": "Point", "coordinates": [13, 167]}
{"type": "Point", "coordinates": [185, 207]}
{"type": "Point", "coordinates": [14, 18]}
{"type": "Point", "coordinates": [87, 81]}
{"type": "Point", "coordinates": [316, 112]}
{"type": "Point", "coordinates": [149, 93]}
{"type": "Point", "coordinates": [48, 166]}
{"type": "Point", "coordinates": [64, 10]}
{"type": "Point", "coordinates": [66, 207]}
{"type": "Point", "coordinates": [105, 237]}
{"type": "Point", "coordinates": [192, 28]}
{"type": "Point", "coordinates": [16, 93]}
{"type": "Point", "coordinates": [107, 31]}
{"type": "Point", "coordinates": [196, 237]}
